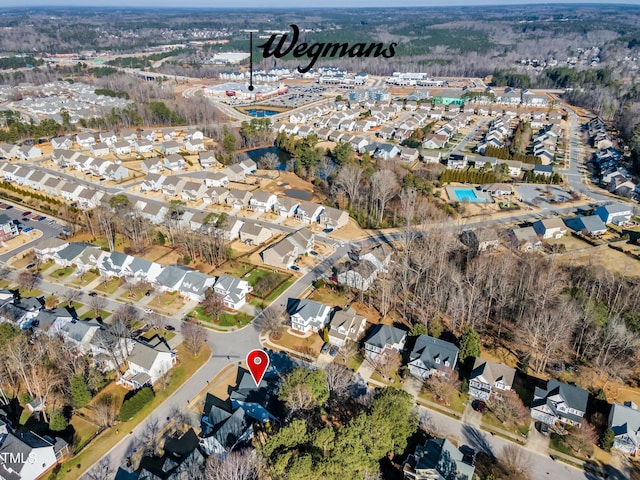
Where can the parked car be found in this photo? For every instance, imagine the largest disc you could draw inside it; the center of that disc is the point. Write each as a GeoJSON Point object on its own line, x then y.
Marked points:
{"type": "Point", "coordinates": [93, 294]}
{"type": "Point", "coordinates": [31, 265]}
{"type": "Point", "coordinates": [542, 427]}
{"type": "Point", "coordinates": [171, 328]}
{"type": "Point", "coordinates": [295, 267]}
{"type": "Point", "coordinates": [325, 348]}
{"type": "Point", "coordinates": [40, 219]}
{"type": "Point", "coordinates": [333, 351]}
{"type": "Point", "coordinates": [9, 207]}
{"type": "Point", "coordinates": [148, 310]}
{"type": "Point", "coordinates": [314, 253]}
{"type": "Point", "coordinates": [15, 221]}
{"type": "Point", "coordinates": [26, 214]}
{"type": "Point", "coordinates": [479, 406]}
{"type": "Point", "coordinates": [27, 230]}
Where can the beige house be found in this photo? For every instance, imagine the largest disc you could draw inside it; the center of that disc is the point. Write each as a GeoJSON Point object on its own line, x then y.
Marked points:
{"type": "Point", "coordinates": [253, 234]}
{"type": "Point", "coordinates": [346, 325]}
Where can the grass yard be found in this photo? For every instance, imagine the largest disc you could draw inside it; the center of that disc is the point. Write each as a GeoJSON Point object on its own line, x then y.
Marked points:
{"type": "Point", "coordinates": [556, 442]}
{"type": "Point", "coordinates": [607, 258]}
{"type": "Point", "coordinates": [309, 346]}
{"type": "Point", "coordinates": [226, 319]}
{"type": "Point", "coordinates": [4, 283]}
{"type": "Point", "coordinates": [169, 302]}
{"type": "Point", "coordinates": [110, 287]}
{"type": "Point", "coordinates": [352, 363]}
{"type": "Point", "coordinates": [86, 278]}
{"type": "Point", "coordinates": [84, 430]}
{"type": "Point", "coordinates": [161, 333]}
{"type": "Point", "coordinates": [61, 272]}
{"type": "Point", "coordinates": [187, 364]}
{"type": "Point", "coordinates": [90, 315]}
{"type": "Point", "coordinates": [457, 401]}
{"type": "Point", "coordinates": [234, 268]}
{"type": "Point", "coordinates": [34, 292]}
{"type": "Point", "coordinates": [330, 296]}
{"type": "Point", "coordinates": [489, 419]}
{"type": "Point", "coordinates": [137, 293]}
{"type": "Point", "coordinates": [278, 291]}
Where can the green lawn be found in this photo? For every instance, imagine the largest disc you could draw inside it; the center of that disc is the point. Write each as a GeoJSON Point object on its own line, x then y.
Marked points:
{"type": "Point", "coordinates": [84, 430]}
{"type": "Point", "coordinates": [489, 419]}
{"type": "Point", "coordinates": [164, 334]}
{"type": "Point", "coordinates": [90, 316]}
{"type": "Point", "coordinates": [226, 319]}
{"type": "Point", "coordinates": [34, 292]}
{"type": "Point", "coordinates": [256, 274]}
{"type": "Point", "coordinates": [62, 272]}
{"type": "Point", "coordinates": [77, 305]}
{"type": "Point", "coordinates": [86, 279]}
{"type": "Point", "coordinates": [75, 467]}
{"type": "Point", "coordinates": [111, 286]}
{"type": "Point", "coordinates": [278, 291]}
{"type": "Point", "coordinates": [234, 268]}
{"type": "Point", "coordinates": [457, 401]}
{"type": "Point", "coordinates": [4, 283]}
{"type": "Point", "coordinates": [557, 443]}
{"type": "Point", "coordinates": [137, 293]}
{"type": "Point", "coordinates": [329, 296]}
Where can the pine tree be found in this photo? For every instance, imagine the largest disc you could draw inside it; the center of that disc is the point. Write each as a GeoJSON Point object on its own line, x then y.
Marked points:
{"type": "Point", "coordinates": [79, 392]}
{"type": "Point", "coordinates": [470, 344]}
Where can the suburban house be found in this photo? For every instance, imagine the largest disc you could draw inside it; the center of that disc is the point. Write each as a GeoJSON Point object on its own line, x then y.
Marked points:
{"type": "Point", "coordinates": [190, 190]}
{"type": "Point", "coordinates": [207, 159]}
{"type": "Point", "coordinates": [80, 333]}
{"type": "Point", "coordinates": [262, 201]}
{"type": "Point", "coordinates": [430, 355]}
{"type": "Point", "coordinates": [346, 326]}
{"type": "Point", "coordinates": [149, 135]}
{"type": "Point", "coordinates": [116, 172]}
{"type": "Point", "coordinates": [238, 198]}
{"type": "Point", "coordinates": [108, 137]}
{"type": "Point", "coordinates": [356, 274]}
{"type": "Point", "coordinates": [153, 182]}
{"type": "Point", "coordinates": [174, 162]}
{"type": "Point", "coordinates": [99, 149]}
{"type": "Point", "coordinates": [333, 218]}
{"type": "Point", "coordinates": [588, 225]}
{"type": "Point", "coordinates": [457, 161]}
{"type": "Point", "coordinates": [152, 165]}
{"type": "Point", "coordinates": [195, 285]}
{"type": "Point", "coordinates": [62, 142]}
{"type": "Point", "coordinates": [254, 234]}
{"type": "Point", "coordinates": [148, 362]}
{"type": "Point", "coordinates": [526, 239]}
{"type": "Point", "coordinates": [307, 315]}
{"type": "Point", "coordinates": [121, 148]}
{"type": "Point", "coordinates": [550, 228]}
{"type": "Point", "coordinates": [85, 140]}
{"type": "Point", "coordinates": [216, 179]}
{"type": "Point", "coordinates": [232, 290]}
{"type": "Point", "coordinates": [231, 229]}
{"type": "Point", "coordinates": [215, 195]}
{"type": "Point", "coordinates": [249, 166]}
{"type": "Point", "coordinates": [439, 459]}
{"type": "Point", "coordinates": [287, 206]}
{"type": "Point", "coordinates": [383, 338]}
{"type": "Point", "coordinates": [8, 229]}
{"type": "Point", "coordinates": [284, 253]}
{"type": "Point", "coordinates": [194, 145]}
{"type": "Point", "coordinates": [309, 212]}
{"type": "Point", "coordinates": [235, 173]}
{"type": "Point", "coordinates": [27, 455]}
{"type": "Point", "coordinates": [171, 147]}
{"type": "Point", "coordinates": [559, 402]}
{"type": "Point", "coordinates": [143, 146]}
{"type": "Point", "coordinates": [489, 378]}
{"type": "Point", "coordinates": [615, 213]}
{"type": "Point", "coordinates": [624, 420]}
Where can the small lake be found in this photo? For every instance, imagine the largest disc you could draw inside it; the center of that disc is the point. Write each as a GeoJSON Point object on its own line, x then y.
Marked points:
{"type": "Point", "coordinates": [298, 194]}
{"type": "Point", "coordinates": [284, 157]}
{"type": "Point", "coordinates": [260, 113]}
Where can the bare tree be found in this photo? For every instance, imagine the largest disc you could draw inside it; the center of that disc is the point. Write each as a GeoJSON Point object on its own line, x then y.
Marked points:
{"type": "Point", "coordinates": [269, 161]}
{"type": "Point", "coordinates": [213, 303]}
{"type": "Point", "coordinates": [237, 465]}
{"type": "Point", "coordinates": [97, 304]}
{"type": "Point", "coordinates": [27, 280]}
{"type": "Point", "coordinates": [339, 379]}
{"type": "Point", "coordinates": [105, 410]}
{"type": "Point", "coordinates": [443, 385]}
{"type": "Point", "coordinates": [157, 321]}
{"type": "Point", "coordinates": [70, 295]}
{"type": "Point", "coordinates": [516, 462]}
{"type": "Point", "coordinates": [582, 438]}
{"type": "Point", "coordinates": [384, 186]}
{"type": "Point", "coordinates": [194, 337]}
{"type": "Point", "coordinates": [508, 407]}
{"type": "Point", "coordinates": [100, 471]}
{"type": "Point", "coordinates": [271, 322]}
{"type": "Point", "coordinates": [347, 351]}
{"type": "Point", "coordinates": [426, 423]}
{"type": "Point", "coordinates": [299, 398]}
{"type": "Point", "coordinates": [349, 179]}
{"type": "Point", "coordinates": [387, 363]}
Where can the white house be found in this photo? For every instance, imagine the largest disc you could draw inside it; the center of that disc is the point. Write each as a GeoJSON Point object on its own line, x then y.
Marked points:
{"type": "Point", "coordinates": [287, 206]}
{"type": "Point", "coordinates": [307, 315]}
{"type": "Point", "coordinates": [148, 362]}
{"type": "Point", "coordinates": [309, 212]}
{"type": "Point", "coordinates": [624, 421]}
{"type": "Point", "coordinates": [233, 291]}
{"type": "Point", "coordinates": [615, 213]}
{"type": "Point", "coordinates": [262, 201]}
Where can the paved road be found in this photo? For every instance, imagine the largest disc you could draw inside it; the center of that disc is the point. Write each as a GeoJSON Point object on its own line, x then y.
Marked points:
{"type": "Point", "coordinates": [542, 466]}
{"type": "Point", "coordinates": [47, 229]}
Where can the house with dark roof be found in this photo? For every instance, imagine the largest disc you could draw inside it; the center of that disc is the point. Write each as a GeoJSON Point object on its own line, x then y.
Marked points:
{"type": "Point", "coordinates": [79, 333]}
{"type": "Point", "coordinates": [346, 326]}
{"type": "Point", "coordinates": [306, 315]}
{"type": "Point", "coordinates": [181, 459]}
{"type": "Point", "coordinates": [26, 455]}
{"type": "Point", "coordinates": [383, 338]}
{"type": "Point", "coordinates": [616, 213]}
{"type": "Point", "coordinates": [439, 459]}
{"type": "Point", "coordinates": [429, 355]}
{"type": "Point", "coordinates": [588, 225]}
{"type": "Point", "coordinates": [170, 278]}
{"type": "Point", "coordinates": [624, 421]}
{"type": "Point", "coordinates": [559, 402]}
{"type": "Point", "coordinates": [489, 378]}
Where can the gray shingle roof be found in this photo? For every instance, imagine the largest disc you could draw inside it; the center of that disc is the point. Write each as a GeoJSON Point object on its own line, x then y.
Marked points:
{"type": "Point", "coordinates": [383, 335]}
{"type": "Point", "coordinates": [429, 350]}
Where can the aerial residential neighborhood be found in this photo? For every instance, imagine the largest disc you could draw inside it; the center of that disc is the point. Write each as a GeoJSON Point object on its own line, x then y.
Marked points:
{"type": "Point", "coordinates": [414, 255]}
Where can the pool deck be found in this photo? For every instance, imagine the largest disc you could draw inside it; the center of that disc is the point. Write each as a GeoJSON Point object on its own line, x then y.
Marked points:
{"type": "Point", "coordinates": [483, 197]}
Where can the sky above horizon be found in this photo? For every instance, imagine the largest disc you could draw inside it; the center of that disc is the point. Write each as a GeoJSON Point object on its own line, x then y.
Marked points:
{"type": "Point", "coordinates": [291, 3]}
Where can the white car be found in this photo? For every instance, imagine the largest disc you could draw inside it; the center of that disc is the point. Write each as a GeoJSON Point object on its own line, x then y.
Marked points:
{"type": "Point", "coordinates": [148, 310]}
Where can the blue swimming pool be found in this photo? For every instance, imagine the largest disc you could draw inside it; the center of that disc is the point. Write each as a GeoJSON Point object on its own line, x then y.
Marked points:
{"type": "Point", "coordinates": [467, 195]}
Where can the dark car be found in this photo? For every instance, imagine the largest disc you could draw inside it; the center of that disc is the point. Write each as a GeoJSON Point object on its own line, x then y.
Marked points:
{"type": "Point", "coordinates": [325, 348]}
{"type": "Point", "coordinates": [9, 207]}
{"type": "Point", "coordinates": [171, 328]}
{"type": "Point", "coordinates": [93, 294]}
{"type": "Point", "coordinates": [147, 293]}
{"type": "Point", "coordinates": [26, 214]}
{"type": "Point", "coordinates": [479, 406]}
{"type": "Point", "coordinates": [15, 221]}
{"type": "Point", "coordinates": [333, 351]}
{"type": "Point", "coordinates": [31, 265]}
{"type": "Point", "coordinates": [40, 219]}
{"type": "Point", "coordinates": [543, 428]}
{"type": "Point", "coordinates": [295, 267]}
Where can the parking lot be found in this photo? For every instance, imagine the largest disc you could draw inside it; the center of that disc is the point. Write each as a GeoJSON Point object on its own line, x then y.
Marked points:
{"type": "Point", "coordinates": [49, 226]}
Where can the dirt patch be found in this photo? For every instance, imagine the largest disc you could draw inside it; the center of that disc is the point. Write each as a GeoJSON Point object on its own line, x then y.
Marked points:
{"type": "Point", "coordinates": [367, 311]}
{"type": "Point", "coordinates": [350, 231]}
{"type": "Point", "coordinates": [604, 257]}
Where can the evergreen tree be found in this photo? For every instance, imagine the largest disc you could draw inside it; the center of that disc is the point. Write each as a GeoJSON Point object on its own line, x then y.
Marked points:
{"type": "Point", "coordinates": [79, 391]}
{"type": "Point", "coordinates": [469, 344]}
{"type": "Point", "coordinates": [607, 440]}
{"type": "Point", "coordinates": [57, 421]}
